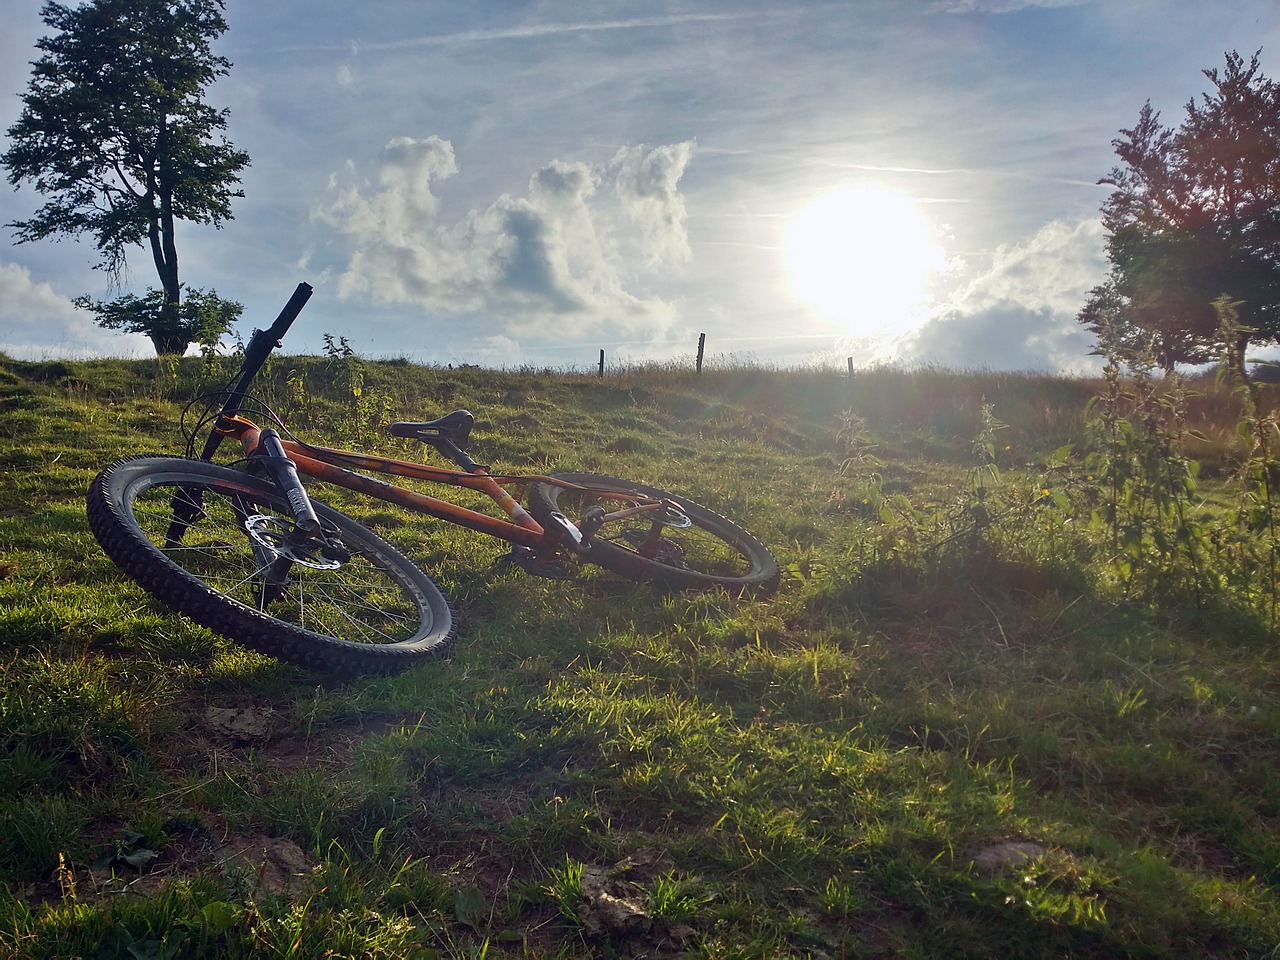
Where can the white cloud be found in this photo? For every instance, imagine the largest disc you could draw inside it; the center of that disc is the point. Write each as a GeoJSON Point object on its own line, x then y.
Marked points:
{"type": "Point", "coordinates": [1052, 270]}
{"type": "Point", "coordinates": [497, 351]}
{"type": "Point", "coordinates": [647, 187]}
{"type": "Point", "coordinates": [1004, 336]}
{"type": "Point", "coordinates": [37, 323]}
{"type": "Point", "coordinates": [1000, 6]}
{"type": "Point", "coordinates": [564, 257]}
{"type": "Point", "coordinates": [1019, 311]}
{"type": "Point", "coordinates": [539, 31]}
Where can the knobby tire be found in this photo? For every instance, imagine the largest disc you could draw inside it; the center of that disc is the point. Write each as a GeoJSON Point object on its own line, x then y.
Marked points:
{"type": "Point", "coordinates": [375, 613]}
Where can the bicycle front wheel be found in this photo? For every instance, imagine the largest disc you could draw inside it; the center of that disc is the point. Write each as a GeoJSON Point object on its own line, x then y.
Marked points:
{"type": "Point", "coordinates": [213, 543]}
{"type": "Point", "coordinates": [701, 551]}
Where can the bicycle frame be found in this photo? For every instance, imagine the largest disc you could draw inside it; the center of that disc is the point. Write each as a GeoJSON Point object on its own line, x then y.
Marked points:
{"type": "Point", "coordinates": [333, 466]}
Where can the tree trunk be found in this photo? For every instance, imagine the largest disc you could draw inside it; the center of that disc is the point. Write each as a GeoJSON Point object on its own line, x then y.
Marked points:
{"type": "Point", "coordinates": [169, 274]}
{"type": "Point", "coordinates": [165, 253]}
{"type": "Point", "coordinates": [169, 344]}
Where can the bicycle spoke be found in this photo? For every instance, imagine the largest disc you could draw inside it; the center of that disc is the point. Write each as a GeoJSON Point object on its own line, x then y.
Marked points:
{"type": "Point", "coordinates": [217, 548]}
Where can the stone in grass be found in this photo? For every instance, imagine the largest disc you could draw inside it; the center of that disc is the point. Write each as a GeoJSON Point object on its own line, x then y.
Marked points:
{"type": "Point", "coordinates": [240, 725]}
{"type": "Point", "coordinates": [605, 913]}
{"type": "Point", "coordinates": [997, 857]}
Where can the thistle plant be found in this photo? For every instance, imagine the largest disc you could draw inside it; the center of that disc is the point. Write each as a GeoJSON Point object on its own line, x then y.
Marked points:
{"type": "Point", "coordinates": [1257, 543]}
{"type": "Point", "coordinates": [1147, 484]}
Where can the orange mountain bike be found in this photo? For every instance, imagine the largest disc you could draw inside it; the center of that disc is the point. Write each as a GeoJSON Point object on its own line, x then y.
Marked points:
{"type": "Point", "coordinates": [246, 551]}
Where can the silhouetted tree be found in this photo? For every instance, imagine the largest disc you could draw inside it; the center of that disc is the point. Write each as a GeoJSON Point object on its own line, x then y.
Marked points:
{"type": "Point", "coordinates": [115, 133]}
{"type": "Point", "coordinates": [1195, 215]}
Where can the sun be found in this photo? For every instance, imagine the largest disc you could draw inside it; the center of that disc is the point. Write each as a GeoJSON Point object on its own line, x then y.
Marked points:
{"type": "Point", "coordinates": [863, 257]}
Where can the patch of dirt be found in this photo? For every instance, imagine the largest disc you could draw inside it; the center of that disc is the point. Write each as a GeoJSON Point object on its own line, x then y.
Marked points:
{"type": "Point", "coordinates": [276, 865]}
{"type": "Point", "coordinates": [240, 725]}
{"type": "Point", "coordinates": [220, 731]}
{"type": "Point", "coordinates": [1208, 855]}
{"type": "Point", "coordinates": [211, 738]}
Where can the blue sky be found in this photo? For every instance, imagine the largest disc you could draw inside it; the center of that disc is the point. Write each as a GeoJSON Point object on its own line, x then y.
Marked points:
{"type": "Point", "coordinates": [511, 183]}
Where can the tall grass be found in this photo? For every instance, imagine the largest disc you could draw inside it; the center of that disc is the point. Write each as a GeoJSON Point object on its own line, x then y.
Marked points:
{"type": "Point", "coordinates": [1015, 696]}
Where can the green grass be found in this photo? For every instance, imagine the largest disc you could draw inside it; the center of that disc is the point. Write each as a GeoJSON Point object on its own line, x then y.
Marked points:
{"type": "Point", "coordinates": [953, 661]}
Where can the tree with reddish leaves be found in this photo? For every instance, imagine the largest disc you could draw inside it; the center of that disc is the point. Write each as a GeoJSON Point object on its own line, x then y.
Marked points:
{"type": "Point", "coordinates": [1195, 216]}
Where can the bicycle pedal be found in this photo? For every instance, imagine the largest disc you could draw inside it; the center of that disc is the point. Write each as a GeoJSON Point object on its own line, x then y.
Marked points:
{"type": "Point", "coordinates": [529, 561]}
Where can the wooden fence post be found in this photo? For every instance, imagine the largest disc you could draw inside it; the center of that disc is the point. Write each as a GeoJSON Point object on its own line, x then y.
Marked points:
{"type": "Point", "coordinates": [601, 373]}
{"type": "Point", "coordinates": [702, 342]}
{"type": "Point", "coordinates": [851, 368]}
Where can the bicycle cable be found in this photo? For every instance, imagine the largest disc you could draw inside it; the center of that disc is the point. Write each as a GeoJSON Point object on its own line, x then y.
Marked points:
{"type": "Point", "coordinates": [213, 405]}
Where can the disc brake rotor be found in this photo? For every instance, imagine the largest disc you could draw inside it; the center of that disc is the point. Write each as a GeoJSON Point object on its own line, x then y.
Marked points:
{"type": "Point", "coordinates": [276, 534]}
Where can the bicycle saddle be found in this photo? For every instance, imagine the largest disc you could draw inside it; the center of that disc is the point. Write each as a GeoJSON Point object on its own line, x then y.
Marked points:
{"type": "Point", "coordinates": [454, 427]}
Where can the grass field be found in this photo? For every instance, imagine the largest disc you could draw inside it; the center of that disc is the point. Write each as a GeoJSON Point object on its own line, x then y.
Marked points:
{"type": "Point", "coordinates": [1016, 694]}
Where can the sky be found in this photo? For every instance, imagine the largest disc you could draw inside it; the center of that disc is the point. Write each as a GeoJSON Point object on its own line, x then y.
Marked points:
{"type": "Point", "coordinates": [523, 183]}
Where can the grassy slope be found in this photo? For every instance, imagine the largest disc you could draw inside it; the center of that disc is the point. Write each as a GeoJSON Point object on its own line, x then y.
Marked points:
{"type": "Point", "coordinates": [812, 774]}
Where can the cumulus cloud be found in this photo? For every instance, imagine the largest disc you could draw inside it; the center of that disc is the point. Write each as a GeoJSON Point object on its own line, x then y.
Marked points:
{"type": "Point", "coordinates": [1005, 336]}
{"type": "Point", "coordinates": [1018, 311]}
{"type": "Point", "coordinates": [497, 351]}
{"type": "Point", "coordinates": [37, 323]}
{"type": "Point", "coordinates": [566, 255]}
{"type": "Point", "coordinates": [1054, 269]}
{"type": "Point", "coordinates": [647, 188]}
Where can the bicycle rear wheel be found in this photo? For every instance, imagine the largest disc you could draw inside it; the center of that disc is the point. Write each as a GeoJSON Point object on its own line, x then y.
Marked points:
{"type": "Point", "coordinates": [708, 552]}
{"type": "Point", "coordinates": [227, 563]}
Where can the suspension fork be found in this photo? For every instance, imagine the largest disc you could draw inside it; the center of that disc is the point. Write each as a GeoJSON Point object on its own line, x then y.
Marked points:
{"type": "Point", "coordinates": [265, 451]}
{"type": "Point", "coordinates": [305, 542]}
{"type": "Point", "coordinates": [270, 455]}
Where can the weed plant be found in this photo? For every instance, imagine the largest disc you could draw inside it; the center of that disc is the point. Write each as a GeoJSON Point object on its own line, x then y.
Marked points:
{"type": "Point", "coordinates": [1014, 697]}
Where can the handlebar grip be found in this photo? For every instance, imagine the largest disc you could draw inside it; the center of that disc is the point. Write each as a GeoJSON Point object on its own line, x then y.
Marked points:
{"type": "Point", "coordinates": [290, 312]}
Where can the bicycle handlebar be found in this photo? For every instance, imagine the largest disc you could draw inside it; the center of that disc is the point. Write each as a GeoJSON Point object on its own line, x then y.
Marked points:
{"type": "Point", "coordinates": [255, 355]}
{"type": "Point", "coordinates": [264, 341]}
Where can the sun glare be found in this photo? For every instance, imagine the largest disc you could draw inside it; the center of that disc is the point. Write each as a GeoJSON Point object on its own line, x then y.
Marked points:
{"type": "Point", "coordinates": [863, 257]}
